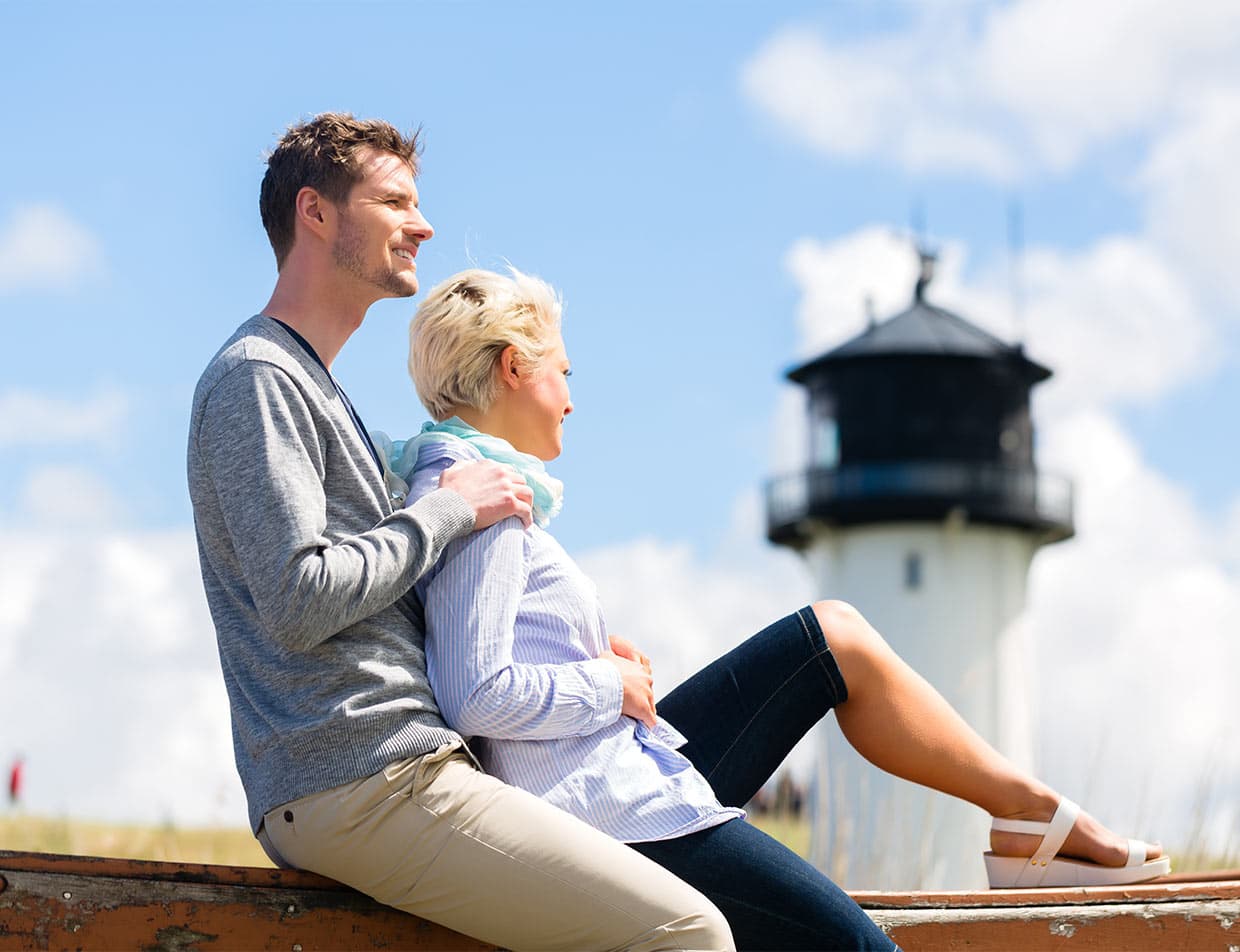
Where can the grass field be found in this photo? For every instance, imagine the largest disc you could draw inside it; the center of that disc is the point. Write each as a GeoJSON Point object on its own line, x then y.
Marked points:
{"type": "Point", "coordinates": [233, 847]}
{"type": "Point", "coordinates": [229, 846]}
{"type": "Point", "coordinates": [237, 847]}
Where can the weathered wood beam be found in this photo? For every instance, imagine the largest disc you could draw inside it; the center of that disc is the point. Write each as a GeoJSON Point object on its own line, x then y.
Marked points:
{"type": "Point", "coordinates": [75, 902]}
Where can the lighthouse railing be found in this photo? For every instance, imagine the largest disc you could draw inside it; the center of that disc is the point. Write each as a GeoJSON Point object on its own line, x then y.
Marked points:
{"type": "Point", "coordinates": [920, 489]}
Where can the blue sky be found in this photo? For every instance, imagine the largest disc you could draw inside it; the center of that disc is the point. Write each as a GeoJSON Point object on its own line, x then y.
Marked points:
{"type": "Point", "coordinates": [715, 188]}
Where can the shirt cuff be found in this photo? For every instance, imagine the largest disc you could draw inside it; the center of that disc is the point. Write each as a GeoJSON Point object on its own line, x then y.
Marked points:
{"type": "Point", "coordinates": [608, 691]}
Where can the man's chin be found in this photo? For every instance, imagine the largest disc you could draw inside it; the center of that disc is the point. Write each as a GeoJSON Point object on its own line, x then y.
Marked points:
{"type": "Point", "coordinates": [400, 287]}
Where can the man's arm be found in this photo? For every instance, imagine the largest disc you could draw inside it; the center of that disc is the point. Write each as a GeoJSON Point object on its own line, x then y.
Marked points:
{"type": "Point", "coordinates": [259, 445]}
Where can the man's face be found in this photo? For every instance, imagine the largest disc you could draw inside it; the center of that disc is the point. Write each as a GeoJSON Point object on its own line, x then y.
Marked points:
{"type": "Point", "coordinates": [380, 228]}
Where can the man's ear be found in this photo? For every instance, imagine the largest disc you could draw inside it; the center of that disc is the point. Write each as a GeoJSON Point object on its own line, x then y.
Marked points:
{"type": "Point", "coordinates": [313, 211]}
{"type": "Point", "coordinates": [510, 367]}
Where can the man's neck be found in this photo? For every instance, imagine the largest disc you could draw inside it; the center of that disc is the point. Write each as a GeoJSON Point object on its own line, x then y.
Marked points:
{"type": "Point", "coordinates": [325, 315]}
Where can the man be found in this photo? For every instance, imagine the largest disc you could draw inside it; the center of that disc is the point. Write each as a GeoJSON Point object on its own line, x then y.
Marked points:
{"type": "Point", "coordinates": [348, 768]}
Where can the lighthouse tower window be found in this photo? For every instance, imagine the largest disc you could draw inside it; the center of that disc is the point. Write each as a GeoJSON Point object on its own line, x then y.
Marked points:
{"type": "Point", "coordinates": [912, 571]}
{"type": "Point", "coordinates": [824, 431]}
{"type": "Point", "coordinates": [826, 443]}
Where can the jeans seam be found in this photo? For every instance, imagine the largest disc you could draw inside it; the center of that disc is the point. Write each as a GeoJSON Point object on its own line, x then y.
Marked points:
{"type": "Point", "coordinates": [832, 672]}
{"type": "Point", "coordinates": [749, 723]}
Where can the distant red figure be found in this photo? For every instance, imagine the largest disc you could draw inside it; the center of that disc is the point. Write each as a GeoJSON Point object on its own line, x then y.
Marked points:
{"type": "Point", "coordinates": [15, 782]}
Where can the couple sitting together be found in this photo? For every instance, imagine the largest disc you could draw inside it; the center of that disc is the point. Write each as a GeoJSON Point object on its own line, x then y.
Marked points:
{"type": "Point", "coordinates": [378, 603]}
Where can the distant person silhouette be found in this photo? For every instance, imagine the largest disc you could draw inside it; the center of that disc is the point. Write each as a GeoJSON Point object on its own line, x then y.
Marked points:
{"type": "Point", "coordinates": [15, 780]}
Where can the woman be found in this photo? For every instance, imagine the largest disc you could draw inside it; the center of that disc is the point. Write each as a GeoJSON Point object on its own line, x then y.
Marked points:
{"type": "Point", "coordinates": [519, 658]}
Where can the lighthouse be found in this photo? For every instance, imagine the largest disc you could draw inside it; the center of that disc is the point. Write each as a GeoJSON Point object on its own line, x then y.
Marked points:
{"type": "Point", "coordinates": [921, 504]}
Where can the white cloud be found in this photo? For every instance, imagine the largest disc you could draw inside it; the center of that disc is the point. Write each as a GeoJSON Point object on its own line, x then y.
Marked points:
{"type": "Point", "coordinates": [1078, 75]}
{"type": "Point", "coordinates": [43, 248]}
{"type": "Point", "coordinates": [30, 418]}
{"type": "Point", "coordinates": [1114, 321]}
{"type": "Point", "coordinates": [1134, 621]}
{"type": "Point", "coordinates": [1034, 84]}
{"type": "Point", "coordinates": [871, 270]}
{"type": "Point", "coordinates": [113, 689]}
{"type": "Point", "coordinates": [889, 98]}
{"type": "Point", "coordinates": [1193, 208]}
{"type": "Point", "coordinates": [58, 495]}
{"type": "Point", "coordinates": [684, 610]}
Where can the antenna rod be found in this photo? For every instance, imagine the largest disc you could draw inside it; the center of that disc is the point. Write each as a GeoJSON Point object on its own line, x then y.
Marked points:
{"type": "Point", "coordinates": [1016, 266]}
{"type": "Point", "coordinates": [926, 273]}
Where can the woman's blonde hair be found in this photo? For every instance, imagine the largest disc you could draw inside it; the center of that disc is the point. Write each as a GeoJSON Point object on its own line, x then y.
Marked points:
{"type": "Point", "coordinates": [465, 323]}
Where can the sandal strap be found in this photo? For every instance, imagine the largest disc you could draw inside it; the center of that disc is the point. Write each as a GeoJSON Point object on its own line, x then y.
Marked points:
{"type": "Point", "coordinates": [1031, 827]}
{"type": "Point", "coordinates": [1061, 825]}
{"type": "Point", "coordinates": [1137, 852]}
{"type": "Point", "coordinates": [1053, 833]}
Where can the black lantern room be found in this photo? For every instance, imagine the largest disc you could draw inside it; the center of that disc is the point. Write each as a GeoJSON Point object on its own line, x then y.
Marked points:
{"type": "Point", "coordinates": [922, 417]}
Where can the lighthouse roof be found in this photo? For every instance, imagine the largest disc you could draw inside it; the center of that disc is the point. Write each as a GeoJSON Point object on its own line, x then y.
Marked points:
{"type": "Point", "coordinates": [922, 330]}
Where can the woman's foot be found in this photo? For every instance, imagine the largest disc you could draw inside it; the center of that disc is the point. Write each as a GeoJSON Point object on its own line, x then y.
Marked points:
{"type": "Point", "coordinates": [1089, 840]}
{"type": "Point", "coordinates": [1069, 849]}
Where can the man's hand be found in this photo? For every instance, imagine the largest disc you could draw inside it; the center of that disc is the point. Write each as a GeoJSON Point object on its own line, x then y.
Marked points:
{"type": "Point", "coordinates": [626, 649]}
{"type": "Point", "coordinates": [638, 688]}
{"type": "Point", "coordinates": [493, 490]}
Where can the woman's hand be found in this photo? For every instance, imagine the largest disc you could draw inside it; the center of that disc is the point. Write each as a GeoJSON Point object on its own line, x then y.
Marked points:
{"type": "Point", "coordinates": [626, 649]}
{"type": "Point", "coordinates": [638, 688]}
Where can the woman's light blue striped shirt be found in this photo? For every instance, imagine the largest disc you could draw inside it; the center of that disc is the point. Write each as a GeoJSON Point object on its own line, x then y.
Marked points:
{"type": "Point", "coordinates": [513, 634]}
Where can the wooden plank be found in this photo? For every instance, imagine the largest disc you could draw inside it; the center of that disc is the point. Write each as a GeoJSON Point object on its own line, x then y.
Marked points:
{"type": "Point", "coordinates": [105, 911]}
{"type": "Point", "coordinates": [1158, 891]}
{"type": "Point", "coordinates": [1133, 927]}
{"type": "Point", "coordinates": [151, 869]}
{"type": "Point", "coordinates": [75, 902]}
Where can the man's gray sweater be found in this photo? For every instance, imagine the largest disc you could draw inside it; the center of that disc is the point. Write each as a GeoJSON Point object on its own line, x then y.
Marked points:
{"type": "Point", "coordinates": [307, 571]}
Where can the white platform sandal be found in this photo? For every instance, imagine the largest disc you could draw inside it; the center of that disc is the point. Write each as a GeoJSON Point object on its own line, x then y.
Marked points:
{"type": "Point", "coordinates": [1046, 870]}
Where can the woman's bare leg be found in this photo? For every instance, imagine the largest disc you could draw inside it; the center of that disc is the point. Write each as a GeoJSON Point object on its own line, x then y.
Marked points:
{"type": "Point", "coordinates": [897, 720]}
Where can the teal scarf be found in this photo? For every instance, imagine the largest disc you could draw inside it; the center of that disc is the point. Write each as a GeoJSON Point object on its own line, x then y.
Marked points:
{"type": "Point", "coordinates": [400, 457]}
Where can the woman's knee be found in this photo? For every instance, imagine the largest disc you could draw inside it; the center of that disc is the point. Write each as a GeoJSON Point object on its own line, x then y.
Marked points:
{"type": "Point", "coordinates": [841, 623]}
{"type": "Point", "coordinates": [852, 640]}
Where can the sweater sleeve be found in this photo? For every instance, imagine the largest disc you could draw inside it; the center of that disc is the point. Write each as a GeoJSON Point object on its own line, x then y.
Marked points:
{"type": "Point", "coordinates": [471, 612]}
{"type": "Point", "coordinates": [263, 455]}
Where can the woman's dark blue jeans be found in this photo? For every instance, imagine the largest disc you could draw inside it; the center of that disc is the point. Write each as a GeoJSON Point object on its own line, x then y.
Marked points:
{"type": "Point", "coordinates": [742, 715]}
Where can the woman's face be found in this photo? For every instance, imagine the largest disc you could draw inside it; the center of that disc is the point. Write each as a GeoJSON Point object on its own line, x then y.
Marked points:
{"type": "Point", "coordinates": [540, 403]}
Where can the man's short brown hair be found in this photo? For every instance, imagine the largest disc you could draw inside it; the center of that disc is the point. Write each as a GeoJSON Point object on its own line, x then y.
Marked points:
{"type": "Point", "coordinates": [324, 153]}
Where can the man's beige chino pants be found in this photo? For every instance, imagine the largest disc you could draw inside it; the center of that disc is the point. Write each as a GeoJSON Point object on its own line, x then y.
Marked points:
{"type": "Point", "coordinates": [435, 836]}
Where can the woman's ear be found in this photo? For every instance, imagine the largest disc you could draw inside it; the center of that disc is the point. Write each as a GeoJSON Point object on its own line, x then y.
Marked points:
{"type": "Point", "coordinates": [510, 367]}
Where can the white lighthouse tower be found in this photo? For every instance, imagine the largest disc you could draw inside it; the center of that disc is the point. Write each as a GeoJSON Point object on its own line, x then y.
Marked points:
{"type": "Point", "coordinates": [922, 506]}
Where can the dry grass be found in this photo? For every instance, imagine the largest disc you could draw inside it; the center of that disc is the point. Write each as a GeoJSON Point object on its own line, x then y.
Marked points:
{"type": "Point", "coordinates": [790, 830]}
{"type": "Point", "coordinates": [237, 847]}
{"type": "Point", "coordinates": [232, 847]}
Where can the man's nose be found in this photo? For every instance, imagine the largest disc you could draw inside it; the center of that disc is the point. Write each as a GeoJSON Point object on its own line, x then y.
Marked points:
{"type": "Point", "coordinates": [418, 227]}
